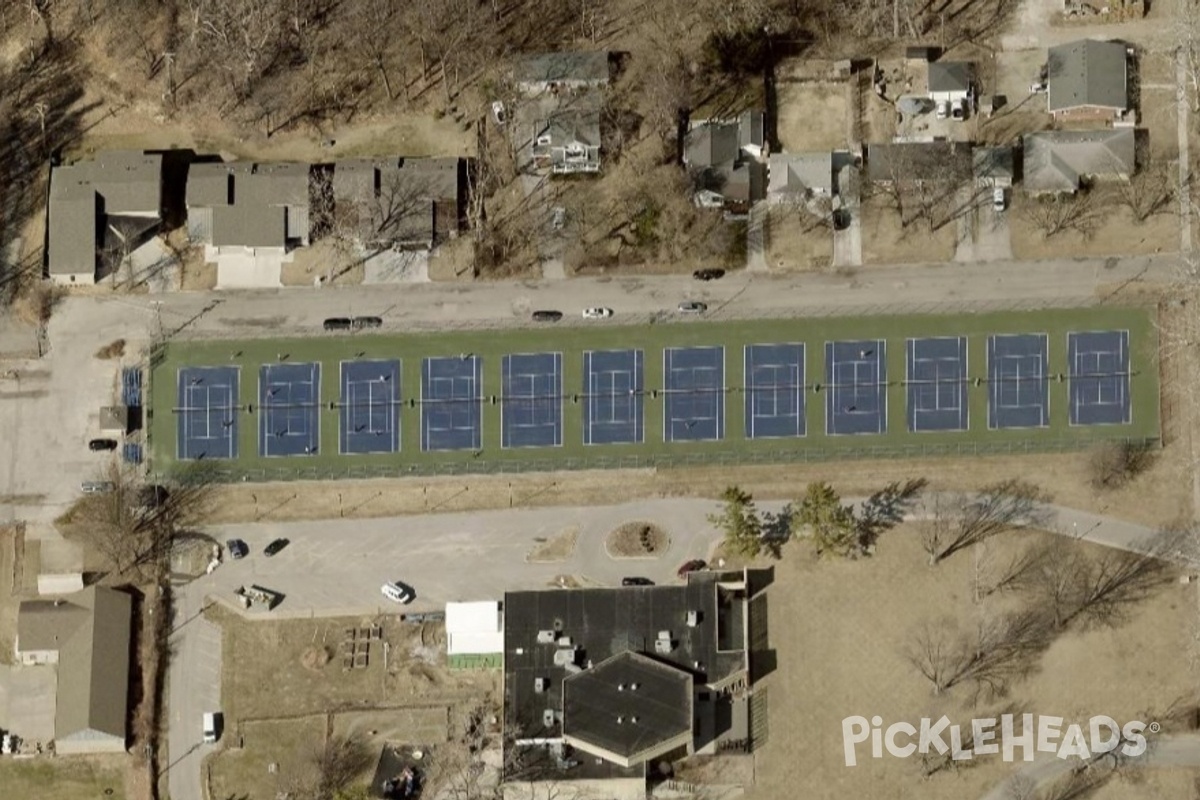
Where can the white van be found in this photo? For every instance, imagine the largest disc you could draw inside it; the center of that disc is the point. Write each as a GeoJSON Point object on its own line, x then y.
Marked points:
{"type": "Point", "coordinates": [210, 726]}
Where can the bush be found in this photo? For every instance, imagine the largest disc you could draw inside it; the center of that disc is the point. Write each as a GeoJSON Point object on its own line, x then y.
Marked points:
{"type": "Point", "coordinates": [1115, 464]}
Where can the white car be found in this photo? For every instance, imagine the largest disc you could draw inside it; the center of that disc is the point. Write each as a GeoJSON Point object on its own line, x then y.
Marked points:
{"type": "Point", "coordinates": [597, 313]}
{"type": "Point", "coordinates": [998, 199]}
{"type": "Point", "coordinates": [498, 112]}
{"type": "Point", "coordinates": [397, 592]}
{"type": "Point", "coordinates": [692, 307]}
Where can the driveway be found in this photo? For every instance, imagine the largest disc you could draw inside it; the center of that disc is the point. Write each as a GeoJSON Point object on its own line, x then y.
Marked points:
{"type": "Point", "coordinates": [194, 687]}
{"type": "Point", "coordinates": [27, 701]}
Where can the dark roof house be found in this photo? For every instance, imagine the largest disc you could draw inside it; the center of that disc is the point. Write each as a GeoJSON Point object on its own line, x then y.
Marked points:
{"type": "Point", "coordinates": [88, 635]}
{"type": "Point", "coordinates": [950, 80]}
{"type": "Point", "coordinates": [568, 140]}
{"type": "Point", "coordinates": [1056, 162]}
{"type": "Point", "coordinates": [113, 202]}
{"type": "Point", "coordinates": [249, 206]}
{"type": "Point", "coordinates": [919, 162]}
{"type": "Point", "coordinates": [723, 158]}
{"type": "Point", "coordinates": [625, 675]}
{"type": "Point", "coordinates": [1087, 78]}
{"type": "Point", "coordinates": [398, 201]}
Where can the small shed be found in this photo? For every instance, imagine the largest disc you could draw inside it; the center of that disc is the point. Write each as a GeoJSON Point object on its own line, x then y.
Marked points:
{"type": "Point", "coordinates": [114, 420]}
{"type": "Point", "coordinates": [474, 633]}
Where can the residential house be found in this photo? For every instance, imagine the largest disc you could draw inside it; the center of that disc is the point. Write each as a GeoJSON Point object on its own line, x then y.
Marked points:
{"type": "Point", "coordinates": [567, 140]}
{"type": "Point", "coordinates": [569, 70]}
{"type": "Point", "coordinates": [798, 177]}
{"type": "Point", "coordinates": [249, 218]}
{"type": "Point", "coordinates": [724, 159]}
{"type": "Point", "coordinates": [950, 81]}
{"type": "Point", "coordinates": [398, 203]}
{"type": "Point", "coordinates": [1058, 162]}
{"type": "Point", "coordinates": [101, 212]}
{"type": "Point", "coordinates": [1087, 79]}
{"type": "Point", "coordinates": [87, 636]}
{"type": "Point", "coordinates": [625, 677]}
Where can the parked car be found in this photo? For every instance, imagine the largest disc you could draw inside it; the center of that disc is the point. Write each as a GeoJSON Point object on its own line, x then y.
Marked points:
{"type": "Point", "coordinates": [841, 219]}
{"type": "Point", "coordinates": [275, 546]}
{"type": "Point", "coordinates": [499, 113]}
{"type": "Point", "coordinates": [694, 565]}
{"type": "Point", "coordinates": [597, 313]}
{"type": "Point", "coordinates": [358, 323]}
{"type": "Point", "coordinates": [211, 726]}
{"type": "Point", "coordinates": [998, 202]}
{"type": "Point", "coordinates": [338, 324]}
{"type": "Point", "coordinates": [96, 487]}
{"type": "Point", "coordinates": [636, 582]}
{"type": "Point", "coordinates": [958, 110]}
{"type": "Point", "coordinates": [96, 445]}
{"type": "Point", "coordinates": [1037, 88]}
{"type": "Point", "coordinates": [237, 549]}
{"type": "Point", "coordinates": [398, 592]}
{"type": "Point", "coordinates": [547, 316]}
{"type": "Point", "coordinates": [708, 274]}
{"type": "Point", "coordinates": [943, 109]}
{"type": "Point", "coordinates": [692, 307]}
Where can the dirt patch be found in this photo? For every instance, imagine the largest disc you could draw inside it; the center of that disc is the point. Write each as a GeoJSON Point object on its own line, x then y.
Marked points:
{"type": "Point", "coordinates": [885, 241]}
{"type": "Point", "coordinates": [814, 115]}
{"type": "Point", "coordinates": [558, 548]}
{"type": "Point", "coordinates": [881, 601]}
{"type": "Point", "coordinates": [114, 349]}
{"type": "Point", "coordinates": [794, 244]}
{"type": "Point", "coordinates": [637, 540]}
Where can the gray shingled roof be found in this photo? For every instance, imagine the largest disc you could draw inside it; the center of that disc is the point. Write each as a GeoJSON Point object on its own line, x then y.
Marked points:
{"type": "Point", "coordinates": [396, 199]}
{"type": "Point", "coordinates": [716, 142]}
{"type": "Point", "coordinates": [261, 194]}
{"type": "Point", "coordinates": [1087, 72]}
{"type": "Point", "coordinates": [800, 172]}
{"type": "Point", "coordinates": [949, 76]}
{"type": "Point", "coordinates": [919, 161]}
{"type": "Point", "coordinates": [563, 66]}
{"type": "Point", "coordinates": [83, 194]}
{"type": "Point", "coordinates": [629, 704]}
{"type": "Point", "coordinates": [1054, 161]}
{"type": "Point", "coordinates": [91, 631]}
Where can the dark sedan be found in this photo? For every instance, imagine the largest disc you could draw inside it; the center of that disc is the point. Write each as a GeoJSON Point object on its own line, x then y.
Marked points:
{"type": "Point", "coordinates": [237, 549]}
{"type": "Point", "coordinates": [692, 566]}
{"type": "Point", "coordinates": [708, 274]}
{"type": "Point", "coordinates": [275, 546]}
{"type": "Point", "coordinates": [636, 582]}
{"type": "Point", "coordinates": [547, 316]}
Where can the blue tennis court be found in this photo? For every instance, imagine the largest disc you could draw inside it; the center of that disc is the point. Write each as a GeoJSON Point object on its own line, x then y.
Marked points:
{"type": "Point", "coordinates": [207, 413]}
{"type": "Point", "coordinates": [694, 386]}
{"type": "Point", "coordinates": [937, 384]}
{"type": "Point", "coordinates": [1019, 387]}
{"type": "Point", "coordinates": [452, 403]}
{"type": "Point", "coordinates": [613, 410]}
{"type": "Point", "coordinates": [369, 410]}
{"type": "Point", "coordinates": [531, 403]}
{"type": "Point", "coordinates": [289, 422]}
{"type": "Point", "coordinates": [1099, 378]}
{"type": "Point", "coordinates": [774, 390]}
{"type": "Point", "coordinates": [856, 387]}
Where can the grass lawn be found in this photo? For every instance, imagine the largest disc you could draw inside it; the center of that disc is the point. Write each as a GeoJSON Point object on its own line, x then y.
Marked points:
{"type": "Point", "coordinates": [73, 778]}
{"type": "Point", "coordinates": [573, 341]}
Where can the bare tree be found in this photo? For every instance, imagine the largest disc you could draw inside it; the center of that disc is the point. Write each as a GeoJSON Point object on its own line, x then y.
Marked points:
{"type": "Point", "coordinates": [996, 652]}
{"type": "Point", "coordinates": [1115, 464]}
{"type": "Point", "coordinates": [1054, 214]}
{"type": "Point", "coordinates": [971, 519]}
{"type": "Point", "coordinates": [1149, 191]}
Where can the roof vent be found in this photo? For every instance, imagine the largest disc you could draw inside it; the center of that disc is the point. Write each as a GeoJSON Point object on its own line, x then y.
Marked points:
{"type": "Point", "coordinates": [693, 619]}
{"type": "Point", "coordinates": [539, 685]}
{"type": "Point", "coordinates": [546, 637]}
{"type": "Point", "coordinates": [620, 720]}
{"type": "Point", "coordinates": [620, 687]}
{"type": "Point", "coordinates": [548, 718]}
{"type": "Point", "coordinates": [633, 720]}
{"type": "Point", "coordinates": [633, 687]}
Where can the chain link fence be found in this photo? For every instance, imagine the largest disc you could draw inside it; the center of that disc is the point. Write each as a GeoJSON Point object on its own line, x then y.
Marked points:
{"type": "Point", "coordinates": [813, 455]}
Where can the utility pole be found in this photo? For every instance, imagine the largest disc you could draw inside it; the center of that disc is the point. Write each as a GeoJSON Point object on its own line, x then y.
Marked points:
{"type": "Point", "coordinates": [169, 59]}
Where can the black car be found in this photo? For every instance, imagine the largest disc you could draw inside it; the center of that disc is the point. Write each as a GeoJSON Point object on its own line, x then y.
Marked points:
{"type": "Point", "coordinates": [366, 322]}
{"type": "Point", "coordinates": [547, 316]}
{"type": "Point", "coordinates": [275, 546]}
{"type": "Point", "coordinates": [338, 324]}
{"type": "Point", "coordinates": [636, 582]}
{"type": "Point", "coordinates": [708, 274]}
{"type": "Point", "coordinates": [96, 445]}
{"type": "Point", "coordinates": [239, 549]}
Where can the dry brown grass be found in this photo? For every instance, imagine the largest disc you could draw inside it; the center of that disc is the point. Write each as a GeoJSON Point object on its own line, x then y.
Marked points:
{"type": "Point", "coordinates": [558, 548]}
{"type": "Point", "coordinates": [1115, 232]}
{"type": "Point", "coordinates": [839, 629]}
{"type": "Point", "coordinates": [637, 540]}
{"type": "Point", "coordinates": [886, 242]}
{"type": "Point", "coordinates": [813, 115]}
{"type": "Point", "coordinates": [36, 302]}
{"type": "Point", "coordinates": [9, 586]}
{"type": "Point", "coordinates": [790, 247]}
